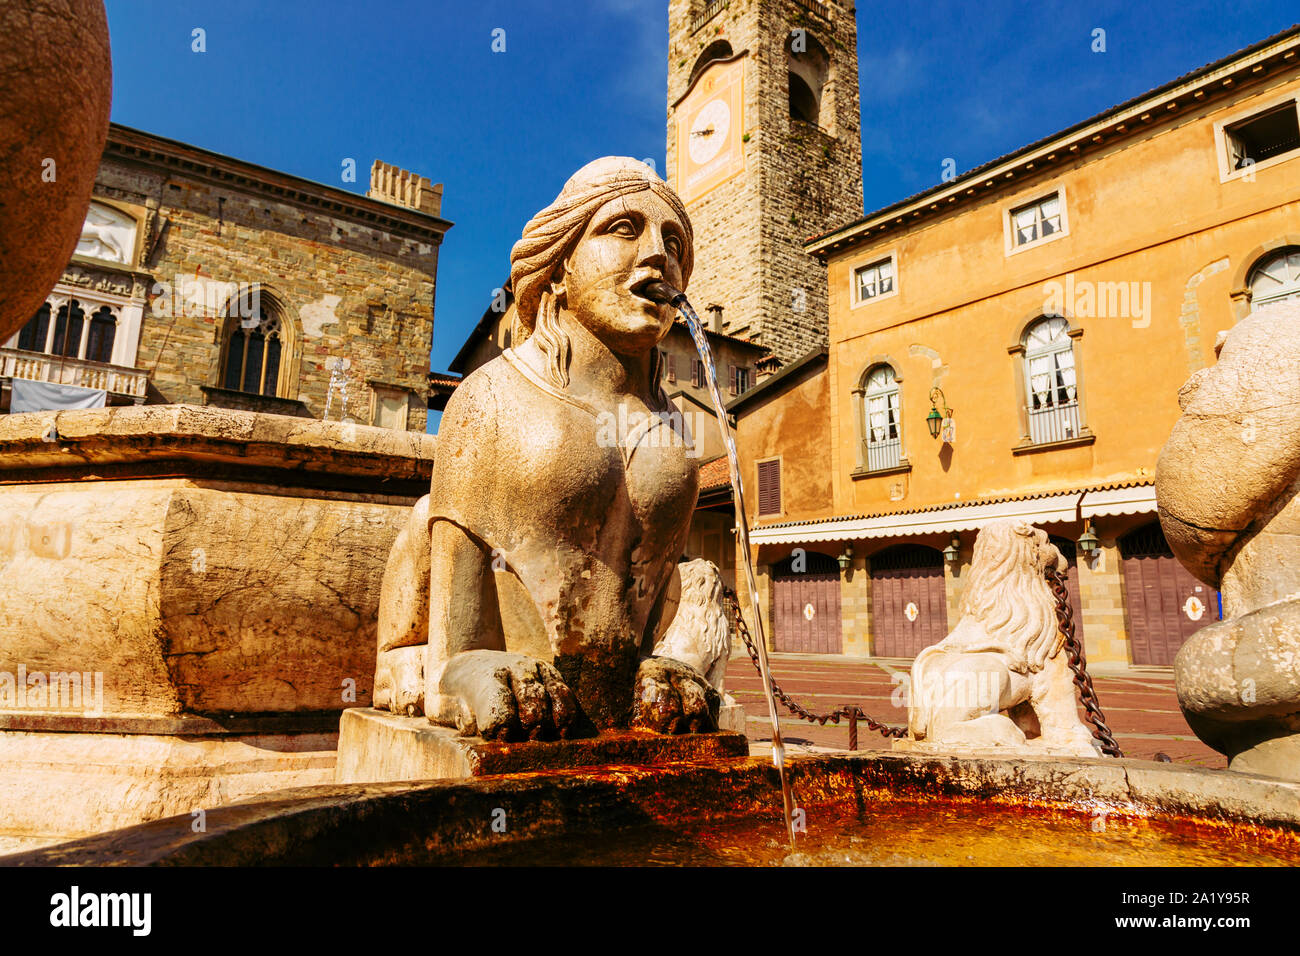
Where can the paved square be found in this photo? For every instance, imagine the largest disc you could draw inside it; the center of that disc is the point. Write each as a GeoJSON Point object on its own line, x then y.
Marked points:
{"type": "Point", "coordinates": [1139, 704]}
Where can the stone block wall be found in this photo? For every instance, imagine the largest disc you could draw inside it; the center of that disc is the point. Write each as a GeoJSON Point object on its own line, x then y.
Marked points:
{"type": "Point", "coordinates": [349, 283]}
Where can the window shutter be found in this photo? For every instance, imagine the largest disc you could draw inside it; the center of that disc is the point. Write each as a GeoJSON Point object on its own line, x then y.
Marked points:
{"type": "Point", "coordinates": [734, 376]}
{"type": "Point", "coordinates": [769, 487]}
{"type": "Point", "coordinates": [672, 367]}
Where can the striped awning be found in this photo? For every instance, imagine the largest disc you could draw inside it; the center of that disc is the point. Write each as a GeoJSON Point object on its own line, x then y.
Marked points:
{"type": "Point", "coordinates": [1048, 509]}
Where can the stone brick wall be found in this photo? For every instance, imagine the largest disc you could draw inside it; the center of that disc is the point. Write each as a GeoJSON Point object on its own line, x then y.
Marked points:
{"type": "Point", "coordinates": [348, 286]}
{"type": "Point", "coordinates": [799, 180]}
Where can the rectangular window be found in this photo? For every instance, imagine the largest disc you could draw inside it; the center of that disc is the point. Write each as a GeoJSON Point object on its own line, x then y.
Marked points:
{"type": "Point", "coordinates": [670, 361]}
{"type": "Point", "coordinates": [769, 487]}
{"type": "Point", "coordinates": [1037, 220]}
{"type": "Point", "coordinates": [697, 373]}
{"type": "Point", "coordinates": [873, 281]}
{"type": "Point", "coordinates": [1264, 136]}
{"type": "Point", "coordinates": [1034, 223]}
{"type": "Point", "coordinates": [740, 379]}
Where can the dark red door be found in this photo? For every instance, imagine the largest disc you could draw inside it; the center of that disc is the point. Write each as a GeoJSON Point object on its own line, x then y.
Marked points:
{"type": "Point", "coordinates": [806, 604]}
{"type": "Point", "coordinates": [1164, 604]}
{"type": "Point", "coordinates": [909, 603]}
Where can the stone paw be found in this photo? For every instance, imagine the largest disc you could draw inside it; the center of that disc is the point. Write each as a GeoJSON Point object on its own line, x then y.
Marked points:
{"type": "Point", "coordinates": [673, 698]}
{"type": "Point", "coordinates": [502, 696]}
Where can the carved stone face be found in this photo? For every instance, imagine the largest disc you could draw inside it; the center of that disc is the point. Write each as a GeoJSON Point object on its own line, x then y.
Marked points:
{"type": "Point", "coordinates": [629, 241]}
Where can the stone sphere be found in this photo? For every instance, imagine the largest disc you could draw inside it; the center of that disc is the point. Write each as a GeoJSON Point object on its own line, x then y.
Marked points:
{"type": "Point", "coordinates": [58, 86]}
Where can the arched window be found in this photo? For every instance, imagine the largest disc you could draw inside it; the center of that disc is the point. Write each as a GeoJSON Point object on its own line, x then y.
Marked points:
{"type": "Point", "coordinates": [35, 334]}
{"type": "Point", "coordinates": [68, 326]}
{"type": "Point", "coordinates": [1276, 277]}
{"type": "Point", "coordinates": [102, 332]}
{"type": "Point", "coordinates": [1050, 385]}
{"type": "Point", "coordinates": [717, 50]}
{"type": "Point", "coordinates": [883, 439]}
{"type": "Point", "coordinates": [808, 69]}
{"type": "Point", "coordinates": [253, 351]}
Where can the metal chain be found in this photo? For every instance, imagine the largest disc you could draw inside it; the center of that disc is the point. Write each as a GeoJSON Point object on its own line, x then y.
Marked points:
{"type": "Point", "coordinates": [853, 712]}
{"type": "Point", "coordinates": [1074, 654]}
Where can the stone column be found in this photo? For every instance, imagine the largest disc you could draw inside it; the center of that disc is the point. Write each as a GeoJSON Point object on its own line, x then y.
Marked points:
{"type": "Point", "coordinates": [855, 608]}
{"type": "Point", "coordinates": [1101, 591]}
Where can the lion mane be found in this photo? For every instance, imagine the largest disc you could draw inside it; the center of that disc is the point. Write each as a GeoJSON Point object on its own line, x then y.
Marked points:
{"type": "Point", "coordinates": [700, 634]}
{"type": "Point", "coordinates": [1008, 594]}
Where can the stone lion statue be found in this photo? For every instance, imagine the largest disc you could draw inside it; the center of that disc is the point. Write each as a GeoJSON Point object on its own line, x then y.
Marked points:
{"type": "Point", "coordinates": [700, 634]}
{"type": "Point", "coordinates": [523, 600]}
{"type": "Point", "coordinates": [1000, 679]}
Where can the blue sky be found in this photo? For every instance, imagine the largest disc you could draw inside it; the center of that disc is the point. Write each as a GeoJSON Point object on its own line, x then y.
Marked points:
{"type": "Point", "coordinates": [300, 86]}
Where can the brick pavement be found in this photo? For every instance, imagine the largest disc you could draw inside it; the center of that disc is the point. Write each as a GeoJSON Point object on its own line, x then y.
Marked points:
{"type": "Point", "coordinates": [1138, 702]}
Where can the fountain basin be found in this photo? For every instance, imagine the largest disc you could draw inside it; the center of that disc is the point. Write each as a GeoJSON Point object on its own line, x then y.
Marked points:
{"type": "Point", "coordinates": [865, 808]}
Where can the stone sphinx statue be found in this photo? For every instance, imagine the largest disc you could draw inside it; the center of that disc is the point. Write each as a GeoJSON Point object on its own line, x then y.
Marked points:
{"type": "Point", "coordinates": [1001, 679]}
{"type": "Point", "coordinates": [523, 599]}
{"type": "Point", "coordinates": [1227, 483]}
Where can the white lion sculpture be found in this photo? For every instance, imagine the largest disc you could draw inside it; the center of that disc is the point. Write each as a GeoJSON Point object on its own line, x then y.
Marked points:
{"type": "Point", "coordinates": [700, 634]}
{"type": "Point", "coordinates": [1000, 680]}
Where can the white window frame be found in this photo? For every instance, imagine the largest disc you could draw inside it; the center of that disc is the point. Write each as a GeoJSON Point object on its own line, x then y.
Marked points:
{"type": "Point", "coordinates": [1226, 172]}
{"type": "Point", "coordinates": [892, 258]}
{"type": "Point", "coordinates": [894, 409]}
{"type": "Point", "coordinates": [1288, 291]}
{"type": "Point", "coordinates": [1009, 229]}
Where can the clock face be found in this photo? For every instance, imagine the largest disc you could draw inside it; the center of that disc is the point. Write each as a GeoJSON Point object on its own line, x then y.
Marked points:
{"type": "Point", "coordinates": [710, 123]}
{"type": "Point", "coordinates": [709, 131]}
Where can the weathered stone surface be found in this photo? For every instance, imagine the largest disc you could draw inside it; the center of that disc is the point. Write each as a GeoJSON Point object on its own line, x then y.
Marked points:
{"type": "Point", "coordinates": [560, 499]}
{"type": "Point", "coordinates": [58, 85]}
{"type": "Point", "coordinates": [60, 786]}
{"type": "Point", "coordinates": [1228, 484]}
{"type": "Point", "coordinates": [142, 433]}
{"type": "Point", "coordinates": [377, 747]}
{"type": "Point", "coordinates": [233, 592]}
{"type": "Point", "coordinates": [1000, 680]}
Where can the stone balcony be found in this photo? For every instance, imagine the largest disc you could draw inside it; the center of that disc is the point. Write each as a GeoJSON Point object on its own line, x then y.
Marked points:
{"type": "Point", "coordinates": [44, 367]}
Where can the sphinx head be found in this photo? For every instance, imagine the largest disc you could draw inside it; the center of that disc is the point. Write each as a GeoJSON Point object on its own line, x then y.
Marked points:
{"type": "Point", "coordinates": [614, 227]}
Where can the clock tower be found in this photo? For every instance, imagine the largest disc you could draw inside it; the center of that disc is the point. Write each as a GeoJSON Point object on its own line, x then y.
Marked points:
{"type": "Point", "coordinates": [764, 148]}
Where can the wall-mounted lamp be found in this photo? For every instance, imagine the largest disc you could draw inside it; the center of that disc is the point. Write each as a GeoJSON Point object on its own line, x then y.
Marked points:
{"type": "Point", "coordinates": [846, 558]}
{"type": "Point", "coordinates": [936, 420]}
{"type": "Point", "coordinates": [953, 551]}
{"type": "Point", "coordinates": [1088, 543]}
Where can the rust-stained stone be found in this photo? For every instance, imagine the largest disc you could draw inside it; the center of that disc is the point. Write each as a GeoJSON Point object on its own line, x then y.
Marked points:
{"type": "Point", "coordinates": [376, 746]}
{"type": "Point", "coordinates": [404, 823]}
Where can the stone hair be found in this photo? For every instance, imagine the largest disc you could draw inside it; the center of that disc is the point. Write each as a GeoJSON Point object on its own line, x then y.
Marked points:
{"type": "Point", "coordinates": [550, 238]}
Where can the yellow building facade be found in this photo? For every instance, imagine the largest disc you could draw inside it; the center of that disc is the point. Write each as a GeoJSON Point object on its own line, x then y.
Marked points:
{"type": "Point", "coordinates": [1040, 314]}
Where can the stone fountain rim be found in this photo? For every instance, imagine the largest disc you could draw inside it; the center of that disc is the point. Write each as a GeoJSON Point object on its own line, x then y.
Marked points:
{"type": "Point", "coordinates": [301, 825]}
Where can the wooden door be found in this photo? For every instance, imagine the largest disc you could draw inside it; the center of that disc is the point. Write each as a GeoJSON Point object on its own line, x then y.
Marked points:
{"type": "Point", "coordinates": [1163, 603]}
{"type": "Point", "coordinates": [909, 602]}
{"type": "Point", "coordinates": [806, 604]}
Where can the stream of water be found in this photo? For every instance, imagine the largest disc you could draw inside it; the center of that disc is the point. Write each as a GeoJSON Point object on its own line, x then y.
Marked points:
{"type": "Point", "coordinates": [678, 300]}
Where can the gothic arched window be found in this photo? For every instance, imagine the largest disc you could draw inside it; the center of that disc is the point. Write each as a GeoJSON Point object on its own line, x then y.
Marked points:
{"type": "Point", "coordinates": [68, 325]}
{"type": "Point", "coordinates": [100, 336]}
{"type": "Point", "coordinates": [36, 332]}
{"type": "Point", "coordinates": [253, 353]}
